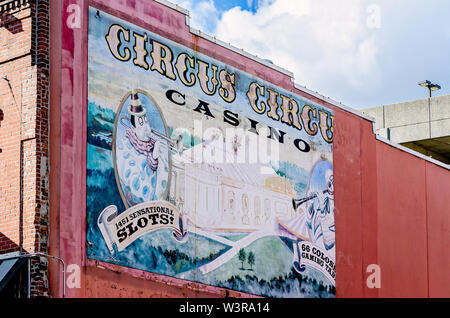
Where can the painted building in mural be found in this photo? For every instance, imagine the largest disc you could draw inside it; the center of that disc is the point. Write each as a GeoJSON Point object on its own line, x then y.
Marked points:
{"type": "Point", "coordinates": [181, 166]}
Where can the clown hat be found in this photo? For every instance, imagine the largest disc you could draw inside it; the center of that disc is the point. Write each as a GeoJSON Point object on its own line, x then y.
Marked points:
{"type": "Point", "coordinates": [135, 108]}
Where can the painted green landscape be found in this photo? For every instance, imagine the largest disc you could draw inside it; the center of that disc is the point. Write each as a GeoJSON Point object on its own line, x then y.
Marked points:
{"type": "Point", "coordinates": [263, 268]}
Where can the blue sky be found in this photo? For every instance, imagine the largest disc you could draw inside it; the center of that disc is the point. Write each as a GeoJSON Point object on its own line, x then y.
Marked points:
{"type": "Point", "coordinates": [362, 53]}
{"type": "Point", "coordinates": [224, 5]}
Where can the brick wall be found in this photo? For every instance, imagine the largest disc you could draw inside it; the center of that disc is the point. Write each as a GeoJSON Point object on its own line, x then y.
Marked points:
{"type": "Point", "coordinates": [24, 94]}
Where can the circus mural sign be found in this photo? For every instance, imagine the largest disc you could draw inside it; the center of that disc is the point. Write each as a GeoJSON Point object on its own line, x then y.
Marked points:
{"type": "Point", "coordinates": [203, 172]}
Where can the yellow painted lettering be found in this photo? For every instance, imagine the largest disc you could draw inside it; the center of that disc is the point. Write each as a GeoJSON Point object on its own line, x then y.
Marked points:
{"type": "Point", "coordinates": [252, 95]}
{"type": "Point", "coordinates": [162, 56]}
{"type": "Point", "coordinates": [114, 42]}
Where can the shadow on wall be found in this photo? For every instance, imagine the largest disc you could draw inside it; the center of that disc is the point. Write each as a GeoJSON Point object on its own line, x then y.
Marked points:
{"type": "Point", "coordinates": [7, 245]}
{"type": "Point", "coordinates": [10, 23]}
{"type": "Point", "coordinates": [13, 277]}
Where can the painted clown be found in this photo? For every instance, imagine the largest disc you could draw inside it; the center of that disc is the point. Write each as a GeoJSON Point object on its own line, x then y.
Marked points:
{"type": "Point", "coordinates": [320, 214]}
{"type": "Point", "coordinates": [141, 157]}
{"type": "Point", "coordinates": [140, 133]}
{"type": "Point", "coordinates": [316, 223]}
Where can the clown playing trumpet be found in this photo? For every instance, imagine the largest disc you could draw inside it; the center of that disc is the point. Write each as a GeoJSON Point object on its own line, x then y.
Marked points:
{"type": "Point", "coordinates": [144, 138]}
{"type": "Point", "coordinates": [150, 144]}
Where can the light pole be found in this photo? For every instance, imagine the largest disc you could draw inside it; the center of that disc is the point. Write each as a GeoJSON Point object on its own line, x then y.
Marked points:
{"type": "Point", "coordinates": [431, 87]}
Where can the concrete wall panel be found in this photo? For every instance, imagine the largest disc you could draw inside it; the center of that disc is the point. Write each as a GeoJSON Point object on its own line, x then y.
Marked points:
{"type": "Point", "coordinates": [378, 114]}
{"type": "Point", "coordinates": [440, 128]}
{"type": "Point", "coordinates": [410, 133]}
{"type": "Point", "coordinates": [408, 113]}
{"type": "Point", "coordinates": [439, 107]}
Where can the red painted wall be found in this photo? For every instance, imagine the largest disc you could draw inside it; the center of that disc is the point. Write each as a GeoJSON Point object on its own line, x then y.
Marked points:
{"type": "Point", "coordinates": [391, 209]}
{"type": "Point", "coordinates": [438, 226]}
{"type": "Point", "coordinates": [402, 223]}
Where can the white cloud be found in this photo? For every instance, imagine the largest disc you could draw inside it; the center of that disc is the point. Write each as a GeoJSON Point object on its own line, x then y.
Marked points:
{"type": "Point", "coordinates": [351, 50]}
{"type": "Point", "coordinates": [204, 16]}
{"type": "Point", "coordinates": [313, 39]}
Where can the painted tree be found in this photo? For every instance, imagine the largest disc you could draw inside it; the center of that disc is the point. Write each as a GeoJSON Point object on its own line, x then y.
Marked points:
{"type": "Point", "coordinates": [242, 256]}
{"type": "Point", "coordinates": [251, 259]}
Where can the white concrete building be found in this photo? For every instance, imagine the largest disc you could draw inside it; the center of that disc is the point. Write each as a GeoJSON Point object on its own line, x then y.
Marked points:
{"type": "Point", "coordinates": [421, 125]}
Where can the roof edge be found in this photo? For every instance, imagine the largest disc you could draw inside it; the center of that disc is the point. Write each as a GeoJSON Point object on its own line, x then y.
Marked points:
{"type": "Point", "coordinates": [408, 101]}
{"type": "Point", "coordinates": [173, 6]}
{"type": "Point", "coordinates": [335, 103]}
{"type": "Point", "coordinates": [412, 152]}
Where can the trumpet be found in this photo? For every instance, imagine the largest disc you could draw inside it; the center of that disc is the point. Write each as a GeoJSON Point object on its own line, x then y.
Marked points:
{"type": "Point", "coordinates": [176, 144]}
{"type": "Point", "coordinates": [297, 202]}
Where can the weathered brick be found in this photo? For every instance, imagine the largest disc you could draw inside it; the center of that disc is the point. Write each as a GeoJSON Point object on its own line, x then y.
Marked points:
{"type": "Point", "coordinates": [24, 134]}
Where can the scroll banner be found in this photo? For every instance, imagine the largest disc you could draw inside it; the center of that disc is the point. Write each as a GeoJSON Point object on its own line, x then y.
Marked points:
{"type": "Point", "coordinates": [124, 229]}
{"type": "Point", "coordinates": [316, 257]}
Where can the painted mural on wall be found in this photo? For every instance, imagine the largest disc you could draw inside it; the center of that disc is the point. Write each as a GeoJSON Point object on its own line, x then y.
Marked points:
{"type": "Point", "coordinates": [200, 171]}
